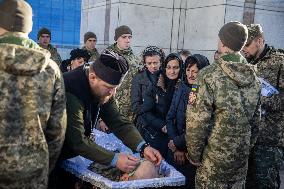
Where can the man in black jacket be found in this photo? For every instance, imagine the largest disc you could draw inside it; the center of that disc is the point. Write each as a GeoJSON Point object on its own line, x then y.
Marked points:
{"type": "Point", "coordinates": [89, 92]}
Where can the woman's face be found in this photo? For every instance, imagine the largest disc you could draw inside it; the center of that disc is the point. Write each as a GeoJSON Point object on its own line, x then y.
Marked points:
{"type": "Point", "coordinates": [191, 73]}
{"type": "Point", "coordinates": [172, 69]}
{"type": "Point", "coordinates": [153, 63]}
{"type": "Point", "coordinates": [77, 62]}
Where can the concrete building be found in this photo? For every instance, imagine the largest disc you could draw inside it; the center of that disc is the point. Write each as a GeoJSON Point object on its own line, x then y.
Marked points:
{"type": "Point", "coordinates": [179, 24]}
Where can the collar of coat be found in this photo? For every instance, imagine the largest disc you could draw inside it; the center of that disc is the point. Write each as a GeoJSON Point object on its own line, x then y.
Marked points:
{"type": "Point", "coordinates": [92, 51]}
{"type": "Point", "coordinates": [49, 47]}
{"type": "Point", "coordinates": [162, 84]}
{"type": "Point", "coordinates": [127, 52]}
{"type": "Point", "coordinates": [267, 52]}
{"type": "Point", "coordinates": [77, 83]}
{"type": "Point", "coordinates": [17, 38]}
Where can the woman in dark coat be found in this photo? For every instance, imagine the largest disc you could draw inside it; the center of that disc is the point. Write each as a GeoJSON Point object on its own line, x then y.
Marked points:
{"type": "Point", "coordinates": [152, 57]}
{"type": "Point", "coordinates": [157, 102]}
{"type": "Point", "coordinates": [176, 119]}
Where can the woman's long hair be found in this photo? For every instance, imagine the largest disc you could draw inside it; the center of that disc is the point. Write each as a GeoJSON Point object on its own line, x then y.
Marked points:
{"type": "Point", "coordinates": [171, 56]}
{"type": "Point", "coordinates": [169, 85]}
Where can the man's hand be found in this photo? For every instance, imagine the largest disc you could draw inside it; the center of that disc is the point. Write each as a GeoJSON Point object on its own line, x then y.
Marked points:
{"type": "Point", "coordinates": [103, 126]}
{"type": "Point", "coordinates": [192, 98]}
{"type": "Point", "coordinates": [164, 129]}
{"type": "Point", "coordinates": [172, 146]}
{"type": "Point", "coordinates": [153, 155]}
{"type": "Point", "coordinates": [194, 163]}
{"type": "Point", "coordinates": [127, 163]}
{"type": "Point", "coordinates": [179, 157]}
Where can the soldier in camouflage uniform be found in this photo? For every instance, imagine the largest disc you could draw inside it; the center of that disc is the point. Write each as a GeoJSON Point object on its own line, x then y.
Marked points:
{"type": "Point", "coordinates": [222, 114]}
{"type": "Point", "coordinates": [267, 155]}
{"type": "Point", "coordinates": [90, 40]}
{"type": "Point", "coordinates": [123, 36]}
{"type": "Point", "coordinates": [32, 103]}
{"type": "Point", "coordinates": [44, 37]}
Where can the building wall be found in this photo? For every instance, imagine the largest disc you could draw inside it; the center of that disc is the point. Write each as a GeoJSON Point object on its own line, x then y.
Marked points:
{"type": "Point", "coordinates": [177, 24]}
{"type": "Point", "coordinates": [62, 18]}
{"type": "Point", "coordinates": [270, 13]}
{"type": "Point", "coordinates": [203, 21]}
{"type": "Point", "coordinates": [151, 21]}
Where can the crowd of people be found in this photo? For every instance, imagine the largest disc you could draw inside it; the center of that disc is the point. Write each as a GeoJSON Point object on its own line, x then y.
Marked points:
{"type": "Point", "coordinates": [215, 122]}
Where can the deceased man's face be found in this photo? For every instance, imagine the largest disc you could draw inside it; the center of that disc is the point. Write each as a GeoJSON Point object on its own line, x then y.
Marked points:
{"type": "Point", "coordinates": [145, 170]}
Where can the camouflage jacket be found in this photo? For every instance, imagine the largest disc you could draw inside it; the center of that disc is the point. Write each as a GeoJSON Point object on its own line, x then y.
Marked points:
{"type": "Point", "coordinates": [54, 54]}
{"type": "Point", "coordinates": [221, 123]}
{"type": "Point", "coordinates": [32, 113]}
{"type": "Point", "coordinates": [94, 54]}
{"type": "Point", "coordinates": [270, 67]}
{"type": "Point", "coordinates": [123, 92]}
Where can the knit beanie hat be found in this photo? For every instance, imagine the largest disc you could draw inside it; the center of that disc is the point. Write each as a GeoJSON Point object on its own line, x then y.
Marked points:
{"type": "Point", "coordinates": [16, 16]}
{"type": "Point", "coordinates": [89, 35]}
{"type": "Point", "coordinates": [234, 35]}
{"type": "Point", "coordinates": [254, 30]}
{"type": "Point", "coordinates": [43, 31]}
{"type": "Point", "coordinates": [151, 51]}
{"type": "Point", "coordinates": [111, 67]}
{"type": "Point", "coordinates": [119, 31]}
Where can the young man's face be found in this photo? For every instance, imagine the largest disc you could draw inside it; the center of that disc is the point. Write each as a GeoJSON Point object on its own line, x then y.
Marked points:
{"type": "Point", "coordinates": [101, 89]}
{"type": "Point", "coordinates": [44, 39]}
{"type": "Point", "coordinates": [123, 42]}
{"type": "Point", "coordinates": [91, 43]}
{"type": "Point", "coordinates": [145, 170]}
{"type": "Point", "coordinates": [153, 63]}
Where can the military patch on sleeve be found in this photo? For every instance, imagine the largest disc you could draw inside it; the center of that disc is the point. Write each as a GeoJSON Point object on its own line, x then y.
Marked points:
{"type": "Point", "coordinates": [195, 88]}
{"type": "Point", "coordinates": [193, 95]}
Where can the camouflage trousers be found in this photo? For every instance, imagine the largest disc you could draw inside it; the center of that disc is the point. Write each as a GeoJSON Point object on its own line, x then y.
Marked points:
{"type": "Point", "coordinates": [264, 166]}
{"type": "Point", "coordinates": [112, 173]}
{"type": "Point", "coordinates": [204, 183]}
{"type": "Point", "coordinates": [124, 108]}
{"type": "Point", "coordinates": [36, 180]}
{"type": "Point", "coordinates": [210, 176]}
